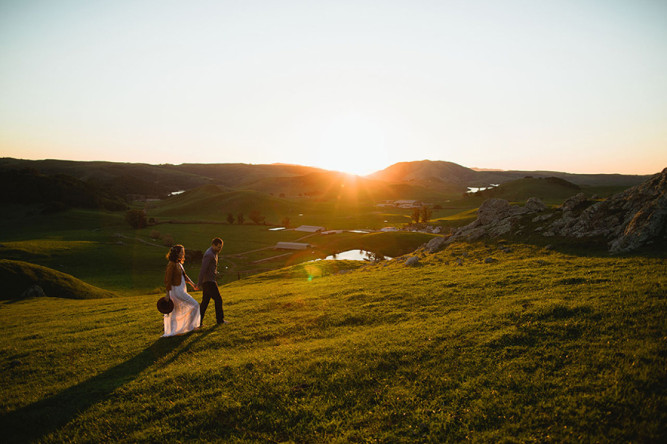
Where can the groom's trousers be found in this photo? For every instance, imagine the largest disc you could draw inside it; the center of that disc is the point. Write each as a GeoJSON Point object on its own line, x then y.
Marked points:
{"type": "Point", "coordinates": [210, 291]}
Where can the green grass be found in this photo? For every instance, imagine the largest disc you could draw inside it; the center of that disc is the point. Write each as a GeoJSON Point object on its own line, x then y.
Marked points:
{"type": "Point", "coordinates": [210, 203]}
{"type": "Point", "coordinates": [539, 346]}
{"type": "Point", "coordinates": [547, 189]}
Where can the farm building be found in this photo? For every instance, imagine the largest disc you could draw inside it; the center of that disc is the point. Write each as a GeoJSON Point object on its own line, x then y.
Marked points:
{"type": "Point", "coordinates": [385, 229]}
{"type": "Point", "coordinates": [408, 204]}
{"type": "Point", "coordinates": [309, 228]}
{"type": "Point", "coordinates": [291, 246]}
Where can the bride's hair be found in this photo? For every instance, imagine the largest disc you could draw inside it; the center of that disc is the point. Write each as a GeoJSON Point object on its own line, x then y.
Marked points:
{"type": "Point", "coordinates": [175, 253]}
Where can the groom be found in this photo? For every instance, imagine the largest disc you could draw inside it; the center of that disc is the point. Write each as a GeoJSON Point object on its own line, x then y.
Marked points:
{"type": "Point", "coordinates": [207, 282]}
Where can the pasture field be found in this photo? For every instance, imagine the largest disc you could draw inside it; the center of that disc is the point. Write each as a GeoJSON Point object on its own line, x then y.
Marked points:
{"type": "Point", "coordinates": [539, 346]}
{"type": "Point", "coordinates": [100, 248]}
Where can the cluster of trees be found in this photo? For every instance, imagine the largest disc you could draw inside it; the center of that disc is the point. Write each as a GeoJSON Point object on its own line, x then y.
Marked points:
{"type": "Point", "coordinates": [254, 216]}
{"type": "Point", "coordinates": [422, 214]}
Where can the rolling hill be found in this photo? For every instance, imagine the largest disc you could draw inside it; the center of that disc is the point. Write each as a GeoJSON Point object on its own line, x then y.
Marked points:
{"type": "Point", "coordinates": [19, 276]}
{"type": "Point", "coordinates": [431, 172]}
{"type": "Point", "coordinates": [439, 175]}
{"type": "Point", "coordinates": [55, 192]}
{"type": "Point", "coordinates": [431, 179]}
{"type": "Point", "coordinates": [118, 178]}
{"type": "Point", "coordinates": [212, 202]}
{"type": "Point", "coordinates": [547, 188]}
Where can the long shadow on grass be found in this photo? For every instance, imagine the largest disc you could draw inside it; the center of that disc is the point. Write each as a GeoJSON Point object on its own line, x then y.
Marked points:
{"type": "Point", "coordinates": [37, 420]}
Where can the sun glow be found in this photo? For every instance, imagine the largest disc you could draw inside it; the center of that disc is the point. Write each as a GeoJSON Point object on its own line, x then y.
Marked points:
{"type": "Point", "coordinates": [352, 143]}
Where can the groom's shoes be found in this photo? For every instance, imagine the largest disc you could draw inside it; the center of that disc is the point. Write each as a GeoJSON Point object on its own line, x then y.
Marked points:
{"type": "Point", "coordinates": [223, 322]}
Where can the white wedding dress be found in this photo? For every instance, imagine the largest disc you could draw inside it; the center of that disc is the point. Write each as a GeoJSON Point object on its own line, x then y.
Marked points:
{"type": "Point", "coordinates": [185, 317]}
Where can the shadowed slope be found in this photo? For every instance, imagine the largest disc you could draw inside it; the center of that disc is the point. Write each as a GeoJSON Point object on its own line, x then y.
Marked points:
{"type": "Point", "coordinates": [18, 276]}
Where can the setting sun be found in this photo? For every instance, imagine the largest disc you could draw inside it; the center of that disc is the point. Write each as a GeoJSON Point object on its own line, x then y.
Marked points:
{"type": "Point", "coordinates": [352, 143]}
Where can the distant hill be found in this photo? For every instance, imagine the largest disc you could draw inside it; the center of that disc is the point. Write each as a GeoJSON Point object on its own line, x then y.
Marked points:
{"type": "Point", "coordinates": [589, 180]}
{"type": "Point", "coordinates": [18, 276]}
{"type": "Point", "coordinates": [423, 180]}
{"type": "Point", "coordinates": [546, 188]}
{"type": "Point", "coordinates": [56, 192]}
{"type": "Point", "coordinates": [118, 178]}
{"type": "Point", "coordinates": [240, 175]}
{"type": "Point", "coordinates": [444, 176]}
{"type": "Point", "coordinates": [440, 174]}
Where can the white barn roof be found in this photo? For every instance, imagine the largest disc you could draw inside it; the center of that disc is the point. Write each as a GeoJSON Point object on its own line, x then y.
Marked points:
{"type": "Point", "coordinates": [309, 228]}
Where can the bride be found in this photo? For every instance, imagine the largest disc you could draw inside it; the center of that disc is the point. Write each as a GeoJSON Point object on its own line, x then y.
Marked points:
{"type": "Point", "coordinates": [185, 317]}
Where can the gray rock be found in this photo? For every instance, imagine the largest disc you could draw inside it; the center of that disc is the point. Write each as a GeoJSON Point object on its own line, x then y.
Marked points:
{"type": "Point", "coordinates": [574, 203]}
{"type": "Point", "coordinates": [412, 261]}
{"type": "Point", "coordinates": [535, 205]}
{"type": "Point", "coordinates": [459, 261]}
{"type": "Point", "coordinates": [492, 210]}
{"type": "Point", "coordinates": [542, 217]}
{"type": "Point", "coordinates": [435, 244]}
{"type": "Point", "coordinates": [490, 260]}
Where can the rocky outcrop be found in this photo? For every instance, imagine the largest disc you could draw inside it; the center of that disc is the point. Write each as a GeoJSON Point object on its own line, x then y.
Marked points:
{"type": "Point", "coordinates": [627, 221]}
{"type": "Point", "coordinates": [497, 217]}
{"type": "Point", "coordinates": [435, 244]}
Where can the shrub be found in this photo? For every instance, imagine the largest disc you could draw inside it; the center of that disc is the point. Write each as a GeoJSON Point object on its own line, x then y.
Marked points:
{"type": "Point", "coordinates": [155, 234]}
{"type": "Point", "coordinates": [256, 217]}
{"type": "Point", "coordinates": [136, 218]}
{"type": "Point", "coordinates": [168, 240]}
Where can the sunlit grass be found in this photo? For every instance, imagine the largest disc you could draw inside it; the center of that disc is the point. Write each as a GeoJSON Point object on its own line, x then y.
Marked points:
{"type": "Point", "coordinates": [539, 346]}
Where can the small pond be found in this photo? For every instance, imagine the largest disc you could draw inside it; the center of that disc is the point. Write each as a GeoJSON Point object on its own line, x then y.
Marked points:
{"type": "Point", "coordinates": [355, 255]}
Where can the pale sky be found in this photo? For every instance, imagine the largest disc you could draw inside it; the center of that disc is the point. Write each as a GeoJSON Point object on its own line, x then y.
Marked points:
{"type": "Point", "coordinates": [577, 86]}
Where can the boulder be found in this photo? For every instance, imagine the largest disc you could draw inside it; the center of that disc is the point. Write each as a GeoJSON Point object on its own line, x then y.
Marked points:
{"type": "Point", "coordinates": [493, 210]}
{"type": "Point", "coordinates": [575, 203]}
{"type": "Point", "coordinates": [412, 261]}
{"type": "Point", "coordinates": [435, 244]}
{"type": "Point", "coordinates": [535, 205]}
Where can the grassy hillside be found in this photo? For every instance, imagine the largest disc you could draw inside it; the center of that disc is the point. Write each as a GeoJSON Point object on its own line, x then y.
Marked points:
{"type": "Point", "coordinates": [539, 346]}
{"type": "Point", "coordinates": [212, 203]}
{"type": "Point", "coordinates": [345, 204]}
{"type": "Point", "coordinates": [240, 175]}
{"type": "Point", "coordinates": [115, 177]}
{"type": "Point", "coordinates": [18, 276]}
{"type": "Point", "coordinates": [55, 193]}
{"type": "Point", "coordinates": [546, 188]}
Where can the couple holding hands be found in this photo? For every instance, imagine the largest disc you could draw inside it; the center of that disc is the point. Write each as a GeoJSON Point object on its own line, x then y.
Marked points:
{"type": "Point", "coordinates": [187, 314]}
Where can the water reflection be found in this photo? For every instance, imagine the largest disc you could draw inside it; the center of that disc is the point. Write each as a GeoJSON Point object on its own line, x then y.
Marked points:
{"type": "Point", "coordinates": [356, 255]}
